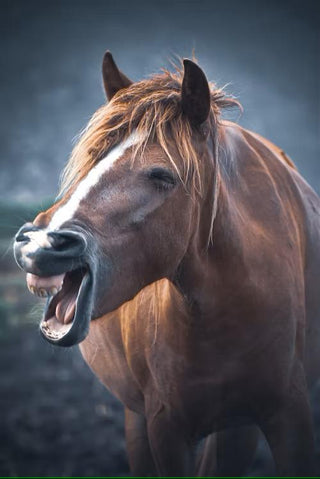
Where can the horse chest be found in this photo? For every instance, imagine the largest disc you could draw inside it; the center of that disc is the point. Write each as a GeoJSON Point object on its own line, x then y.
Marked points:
{"type": "Point", "coordinates": [103, 352]}
{"type": "Point", "coordinates": [198, 387]}
{"type": "Point", "coordinates": [212, 383]}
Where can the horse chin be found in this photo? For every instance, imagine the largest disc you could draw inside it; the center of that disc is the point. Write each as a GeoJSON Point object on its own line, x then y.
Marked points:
{"type": "Point", "coordinates": [67, 314]}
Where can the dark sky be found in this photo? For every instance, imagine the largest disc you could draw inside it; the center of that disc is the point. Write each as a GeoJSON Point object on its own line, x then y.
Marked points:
{"type": "Point", "coordinates": [267, 51]}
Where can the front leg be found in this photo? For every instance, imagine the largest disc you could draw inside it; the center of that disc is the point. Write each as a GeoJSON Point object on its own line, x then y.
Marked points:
{"type": "Point", "coordinates": [173, 454]}
{"type": "Point", "coordinates": [138, 449]}
{"type": "Point", "coordinates": [228, 452]}
{"type": "Point", "coordinates": [289, 430]}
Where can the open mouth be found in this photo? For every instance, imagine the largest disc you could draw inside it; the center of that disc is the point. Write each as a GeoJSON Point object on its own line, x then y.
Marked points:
{"type": "Point", "coordinates": [68, 310]}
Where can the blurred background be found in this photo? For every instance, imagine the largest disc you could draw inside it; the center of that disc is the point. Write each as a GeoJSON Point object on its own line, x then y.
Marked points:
{"type": "Point", "coordinates": [56, 418]}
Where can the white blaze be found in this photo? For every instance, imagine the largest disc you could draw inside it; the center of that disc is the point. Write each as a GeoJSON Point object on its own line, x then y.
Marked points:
{"type": "Point", "coordinates": [67, 210]}
{"type": "Point", "coordinates": [40, 239]}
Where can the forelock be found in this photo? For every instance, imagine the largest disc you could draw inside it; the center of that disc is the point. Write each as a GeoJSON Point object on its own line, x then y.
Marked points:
{"type": "Point", "coordinates": [152, 108]}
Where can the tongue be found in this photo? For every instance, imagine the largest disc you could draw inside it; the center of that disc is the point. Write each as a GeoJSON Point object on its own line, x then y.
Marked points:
{"type": "Point", "coordinates": [65, 308]}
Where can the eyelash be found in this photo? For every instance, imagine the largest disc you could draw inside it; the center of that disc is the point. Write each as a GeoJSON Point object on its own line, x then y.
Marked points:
{"type": "Point", "coordinates": [162, 179]}
{"type": "Point", "coordinates": [162, 186]}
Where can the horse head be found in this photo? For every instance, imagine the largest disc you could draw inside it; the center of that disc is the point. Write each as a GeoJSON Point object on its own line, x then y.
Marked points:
{"type": "Point", "coordinates": [130, 209]}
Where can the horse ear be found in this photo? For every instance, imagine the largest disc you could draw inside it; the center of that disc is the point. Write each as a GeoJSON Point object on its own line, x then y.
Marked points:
{"type": "Point", "coordinates": [113, 79]}
{"type": "Point", "coordinates": [195, 94]}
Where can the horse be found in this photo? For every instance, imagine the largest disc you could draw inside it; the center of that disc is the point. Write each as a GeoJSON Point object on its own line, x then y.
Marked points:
{"type": "Point", "coordinates": [182, 254]}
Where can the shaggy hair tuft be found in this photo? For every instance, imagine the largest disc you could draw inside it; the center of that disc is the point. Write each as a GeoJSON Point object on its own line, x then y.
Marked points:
{"type": "Point", "coordinates": [152, 108]}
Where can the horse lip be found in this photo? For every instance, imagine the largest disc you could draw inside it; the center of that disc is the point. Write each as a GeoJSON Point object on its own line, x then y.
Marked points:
{"type": "Point", "coordinates": [80, 325]}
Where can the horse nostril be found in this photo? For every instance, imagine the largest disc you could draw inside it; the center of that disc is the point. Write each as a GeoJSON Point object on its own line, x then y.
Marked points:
{"type": "Point", "coordinates": [26, 228]}
{"type": "Point", "coordinates": [21, 237]}
{"type": "Point", "coordinates": [66, 241]}
{"type": "Point", "coordinates": [60, 241]}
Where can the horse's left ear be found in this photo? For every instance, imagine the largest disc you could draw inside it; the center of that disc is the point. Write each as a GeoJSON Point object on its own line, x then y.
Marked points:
{"type": "Point", "coordinates": [113, 79]}
{"type": "Point", "coordinates": [195, 93]}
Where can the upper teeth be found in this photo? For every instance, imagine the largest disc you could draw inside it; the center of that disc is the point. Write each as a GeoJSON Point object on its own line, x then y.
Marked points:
{"type": "Point", "coordinates": [44, 287]}
{"type": "Point", "coordinates": [44, 292]}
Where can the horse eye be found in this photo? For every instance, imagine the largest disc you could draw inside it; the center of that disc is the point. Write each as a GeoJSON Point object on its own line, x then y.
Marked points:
{"type": "Point", "coordinates": [162, 178]}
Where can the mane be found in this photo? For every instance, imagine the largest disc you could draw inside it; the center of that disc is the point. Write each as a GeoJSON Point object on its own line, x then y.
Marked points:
{"type": "Point", "coordinates": [152, 108]}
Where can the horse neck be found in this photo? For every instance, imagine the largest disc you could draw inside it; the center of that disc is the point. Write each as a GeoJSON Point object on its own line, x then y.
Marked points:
{"type": "Point", "coordinates": [206, 265]}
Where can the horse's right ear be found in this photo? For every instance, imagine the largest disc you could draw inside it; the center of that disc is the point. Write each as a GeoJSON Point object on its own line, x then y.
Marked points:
{"type": "Point", "coordinates": [195, 93]}
{"type": "Point", "coordinates": [113, 79]}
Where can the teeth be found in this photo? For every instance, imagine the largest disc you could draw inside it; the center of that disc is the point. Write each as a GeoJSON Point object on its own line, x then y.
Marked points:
{"type": "Point", "coordinates": [44, 287]}
{"type": "Point", "coordinates": [44, 293]}
{"type": "Point", "coordinates": [32, 289]}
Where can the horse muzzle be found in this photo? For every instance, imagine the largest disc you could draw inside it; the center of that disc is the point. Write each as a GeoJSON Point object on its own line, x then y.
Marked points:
{"type": "Point", "coordinates": [57, 268]}
{"type": "Point", "coordinates": [48, 253]}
